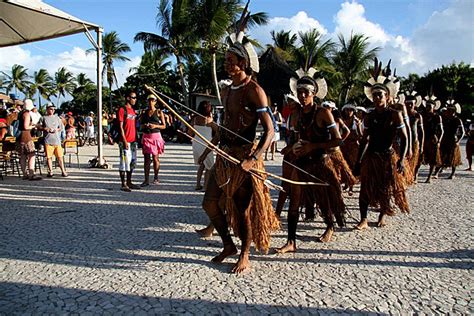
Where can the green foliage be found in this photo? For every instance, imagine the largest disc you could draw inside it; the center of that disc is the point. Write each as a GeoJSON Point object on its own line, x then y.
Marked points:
{"type": "Point", "coordinates": [454, 81]}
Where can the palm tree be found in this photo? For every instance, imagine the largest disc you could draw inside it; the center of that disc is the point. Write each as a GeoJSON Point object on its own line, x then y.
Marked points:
{"type": "Point", "coordinates": [214, 19]}
{"type": "Point", "coordinates": [42, 84]}
{"type": "Point", "coordinates": [113, 49]}
{"type": "Point", "coordinates": [177, 37]}
{"type": "Point", "coordinates": [18, 79]}
{"type": "Point", "coordinates": [313, 52]}
{"type": "Point", "coordinates": [284, 44]}
{"type": "Point", "coordinates": [351, 61]}
{"type": "Point", "coordinates": [64, 82]}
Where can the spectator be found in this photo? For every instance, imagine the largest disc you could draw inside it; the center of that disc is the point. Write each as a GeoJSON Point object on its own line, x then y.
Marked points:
{"type": "Point", "coordinates": [25, 145]}
{"type": "Point", "coordinates": [128, 143]}
{"type": "Point", "coordinates": [52, 126]}
{"type": "Point", "coordinates": [152, 121]}
{"type": "Point", "coordinates": [90, 131]}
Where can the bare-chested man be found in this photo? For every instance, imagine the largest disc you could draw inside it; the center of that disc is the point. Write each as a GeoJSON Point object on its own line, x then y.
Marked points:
{"type": "Point", "coordinates": [381, 175]}
{"type": "Point", "coordinates": [317, 133]}
{"type": "Point", "coordinates": [412, 102]}
{"type": "Point", "coordinates": [244, 197]}
{"type": "Point", "coordinates": [433, 127]}
{"type": "Point", "coordinates": [453, 133]}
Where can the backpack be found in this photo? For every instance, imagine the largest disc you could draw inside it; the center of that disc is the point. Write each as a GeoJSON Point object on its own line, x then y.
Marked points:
{"type": "Point", "coordinates": [114, 132]}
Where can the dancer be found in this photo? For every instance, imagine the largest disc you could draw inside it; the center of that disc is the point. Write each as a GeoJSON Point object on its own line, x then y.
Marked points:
{"type": "Point", "coordinates": [381, 174]}
{"type": "Point", "coordinates": [317, 133]}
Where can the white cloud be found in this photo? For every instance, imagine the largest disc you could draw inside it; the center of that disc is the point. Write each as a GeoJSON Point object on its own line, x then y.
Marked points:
{"type": "Point", "coordinates": [299, 22]}
{"type": "Point", "coordinates": [351, 19]}
{"type": "Point", "coordinates": [447, 36]}
{"type": "Point", "coordinates": [76, 60]}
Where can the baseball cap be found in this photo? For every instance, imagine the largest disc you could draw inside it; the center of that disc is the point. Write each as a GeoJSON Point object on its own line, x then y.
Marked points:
{"type": "Point", "coordinates": [28, 105]}
{"type": "Point", "coordinates": [50, 105]}
{"type": "Point", "coordinates": [151, 96]}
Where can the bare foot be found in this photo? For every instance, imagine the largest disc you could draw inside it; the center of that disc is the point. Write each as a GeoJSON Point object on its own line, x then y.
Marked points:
{"type": "Point", "coordinates": [242, 265]}
{"type": "Point", "coordinates": [382, 222]}
{"type": "Point", "coordinates": [468, 169]}
{"type": "Point", "coordinates": [229, 250]}
{"type": "Point", "coordinates": [363, 224]}
{"type": "Point", "coordinates": [290, 246]}
{"type": "Point", "coordinates": [327, 235]}
{"type": "Point", "coordinates": [206, 232]}
{"type": "Point", "coordinates": [435, 176]}
{"type": "Point", "coordinates": [451, 177]}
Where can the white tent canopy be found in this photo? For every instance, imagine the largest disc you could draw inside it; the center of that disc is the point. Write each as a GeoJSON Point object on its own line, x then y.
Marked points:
{"type": "Point", "coordinates": [25, 21]}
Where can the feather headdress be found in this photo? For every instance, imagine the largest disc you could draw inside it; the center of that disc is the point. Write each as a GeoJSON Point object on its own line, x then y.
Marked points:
{"type": "Point", "coordinates": [453, 104]}
{"type": "Point", "coordinates": [433, 100]}
{"type": "Point", "coordinates": [240, 45]}
{"type": "Point", "coordinates": [413, 96]}
{"type": "Point", "coordinates": [381, 78]}
{"type": "Point", "coordinates": [320, 85]}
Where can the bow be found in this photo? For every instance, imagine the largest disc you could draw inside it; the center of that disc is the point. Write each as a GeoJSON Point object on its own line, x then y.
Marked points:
{"type": "Point", "coordinates": [217, 150]}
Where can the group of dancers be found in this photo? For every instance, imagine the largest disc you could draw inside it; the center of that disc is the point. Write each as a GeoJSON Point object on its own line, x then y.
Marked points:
{"type": "Point", "coordinates": [326, 153]}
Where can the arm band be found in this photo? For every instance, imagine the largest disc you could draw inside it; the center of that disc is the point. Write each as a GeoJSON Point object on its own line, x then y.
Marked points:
{"type": "Point", "coordinates": [333, 125]}
{"type": "Point", "coordinates": [261, 110]}
{"type": "Point", "coordinates": [401, 126]}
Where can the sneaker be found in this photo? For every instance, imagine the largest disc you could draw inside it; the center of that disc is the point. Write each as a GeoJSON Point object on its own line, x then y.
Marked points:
{"type": "Point", "coordinates": [144, 184]}
{"type": "Point", "coordinates": [65, 175]}
{"type": "Point", "coordinates": [125, 189]}
{"type": "Point", "coordinates": [133, 186]}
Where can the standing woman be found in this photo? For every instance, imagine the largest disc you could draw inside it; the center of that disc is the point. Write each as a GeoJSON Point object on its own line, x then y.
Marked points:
{"type": "Point", "coordinates": [205, 125]}
{"type": "Point", "coordinates": [152, 121]}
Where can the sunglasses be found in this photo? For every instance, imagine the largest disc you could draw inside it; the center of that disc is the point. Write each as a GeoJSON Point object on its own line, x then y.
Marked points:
{"type": "Point", "coordinates": [132, 97]}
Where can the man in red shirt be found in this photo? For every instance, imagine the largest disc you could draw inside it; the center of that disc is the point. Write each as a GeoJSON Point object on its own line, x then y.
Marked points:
{"type": "Point", "coordinates": [128, 142]}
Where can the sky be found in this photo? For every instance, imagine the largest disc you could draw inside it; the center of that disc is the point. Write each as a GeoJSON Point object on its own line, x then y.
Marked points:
{"type": "Point", "coordinates": [418, 35]}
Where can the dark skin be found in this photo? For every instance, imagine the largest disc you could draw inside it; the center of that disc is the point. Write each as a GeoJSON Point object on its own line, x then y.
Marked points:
{"type": "Point", "coordinates": [126, 183]}
{"type": "Point", "coordinates": [303, 148]}
{"type": "Point", "coordinates": [439, 133]}
{"type": "Point", "coordinates": [417, 130]}
{"type": "Point", "coordinates": [380, 98]}
{"type": "Point", "coordinates": [156, 161]}
{"type": "Point", "coordinates": [254, 95]}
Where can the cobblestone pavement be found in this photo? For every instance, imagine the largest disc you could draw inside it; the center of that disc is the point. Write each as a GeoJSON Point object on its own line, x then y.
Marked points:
{"type": "Point", "coordinates": [79, 245]}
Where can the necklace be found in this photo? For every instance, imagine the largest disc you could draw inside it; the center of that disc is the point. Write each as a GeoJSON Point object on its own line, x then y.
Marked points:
{"type": "Point", "coordinates": [240, 85]}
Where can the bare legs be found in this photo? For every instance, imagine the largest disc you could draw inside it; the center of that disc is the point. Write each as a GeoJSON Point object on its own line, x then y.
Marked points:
{"type": "Point", "coordinates": [146, 168]}
{"type": "Point", "coordinates": [199, 176]}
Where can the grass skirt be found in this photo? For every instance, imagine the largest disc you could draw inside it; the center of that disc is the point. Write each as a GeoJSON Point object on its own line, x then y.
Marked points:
{"type": "Point", "coordinates": [329, 198]}
{"type": "Point", "coordinates": [350, 150]}
{"type": "Point", "coordinates": [343, 171]}
{"type": "Point", "coordinates": [450, 154]}
{"type": "Point", "coordinates": [382, 184]}
{"type": "Point", "coordinates": [260, 210]}
{"type": "Point", "coordinates": [431, 153]}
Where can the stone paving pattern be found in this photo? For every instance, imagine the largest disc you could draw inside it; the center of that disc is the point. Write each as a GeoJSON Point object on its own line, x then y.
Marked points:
{"type": "Point", "coordinates": [79, 245]}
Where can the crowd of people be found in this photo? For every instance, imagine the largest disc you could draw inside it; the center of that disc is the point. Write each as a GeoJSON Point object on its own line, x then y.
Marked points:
{"type": "Point", "coordinates": [326, 151]}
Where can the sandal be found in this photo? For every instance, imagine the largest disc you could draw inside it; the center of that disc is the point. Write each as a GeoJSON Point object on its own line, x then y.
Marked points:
{"type": "Point", "coordinates": [156, 181]}
{"type": "Point", "coordinates": [144, 184]}
{"type": "Point", "coordinates": [125, 189]}
{"type": "Point", "coordinates": [50, 175]}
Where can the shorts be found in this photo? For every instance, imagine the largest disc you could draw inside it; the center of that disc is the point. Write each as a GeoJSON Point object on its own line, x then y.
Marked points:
{"type": "Point", "coordinates": [128, 157]}
{"type": "Point", "coordinates": [27, 148]}
{"type": "Point", "coordinates": [56, 150]}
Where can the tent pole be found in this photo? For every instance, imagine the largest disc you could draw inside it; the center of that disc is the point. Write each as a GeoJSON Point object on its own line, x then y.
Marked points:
{"type": "Point", "coordinates": [100, 153]}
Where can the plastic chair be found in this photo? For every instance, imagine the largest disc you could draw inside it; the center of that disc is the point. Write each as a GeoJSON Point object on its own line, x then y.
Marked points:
{"type": "Point", "coordinates": [71, 147]}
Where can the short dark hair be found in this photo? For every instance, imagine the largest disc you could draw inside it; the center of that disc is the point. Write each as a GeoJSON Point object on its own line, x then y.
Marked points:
{"type": "Point", "coordinates": [204, 108]}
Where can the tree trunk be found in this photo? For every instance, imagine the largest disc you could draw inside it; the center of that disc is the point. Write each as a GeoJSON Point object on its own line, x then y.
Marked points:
{"type": "Point", "coordinates": [214, 77]}
{"type": "Point", "coordinates": [110, 98]}
{"type": "Point", "coordinates": [183, 82]}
